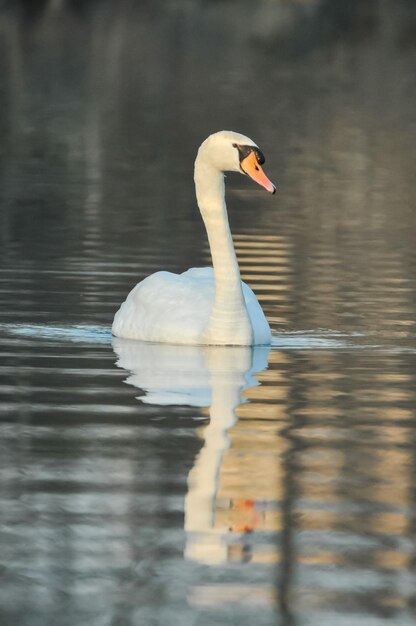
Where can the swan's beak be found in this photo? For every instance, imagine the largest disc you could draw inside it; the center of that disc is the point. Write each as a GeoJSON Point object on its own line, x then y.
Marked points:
{"type": "Point", "coordinates": [252, 168]}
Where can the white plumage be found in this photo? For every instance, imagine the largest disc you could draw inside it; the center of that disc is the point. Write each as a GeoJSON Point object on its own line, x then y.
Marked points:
{"type": "Point", "coordinates": [203, 305]}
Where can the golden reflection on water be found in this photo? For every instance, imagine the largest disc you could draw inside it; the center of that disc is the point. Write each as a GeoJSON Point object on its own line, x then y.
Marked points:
{"type": "Point", "coordinates": [266, 264]}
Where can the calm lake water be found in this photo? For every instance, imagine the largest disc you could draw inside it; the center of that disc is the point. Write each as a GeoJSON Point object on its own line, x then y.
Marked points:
{"type": "Point", "coordinates": [149, 485]}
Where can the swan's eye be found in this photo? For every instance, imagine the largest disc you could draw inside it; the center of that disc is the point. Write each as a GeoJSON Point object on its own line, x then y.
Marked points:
{"type": "Point", "coordinates": [259, 156]}
{"type": "Point", "coordinates": [244, 151]}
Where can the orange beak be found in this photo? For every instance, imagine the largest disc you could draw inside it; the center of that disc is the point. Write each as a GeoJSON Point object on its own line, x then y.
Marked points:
{"type": "Point", "coordinates": [252, 168]}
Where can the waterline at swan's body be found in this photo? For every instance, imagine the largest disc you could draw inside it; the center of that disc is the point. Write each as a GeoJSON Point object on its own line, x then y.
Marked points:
{"type": "Point", "coordinates": [204, 305]}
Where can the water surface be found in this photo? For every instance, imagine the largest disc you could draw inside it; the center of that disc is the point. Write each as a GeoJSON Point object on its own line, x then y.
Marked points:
{"type": "Point", "coordinates": [165, 485]}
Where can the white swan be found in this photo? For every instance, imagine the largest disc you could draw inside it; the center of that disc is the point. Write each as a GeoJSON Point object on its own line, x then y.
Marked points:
{"type": "Point", "coordinates": [204, 305]}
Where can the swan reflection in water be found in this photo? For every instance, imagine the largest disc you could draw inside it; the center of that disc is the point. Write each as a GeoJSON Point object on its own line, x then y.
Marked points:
{"type": "Point", "coordinates": [200, 376]}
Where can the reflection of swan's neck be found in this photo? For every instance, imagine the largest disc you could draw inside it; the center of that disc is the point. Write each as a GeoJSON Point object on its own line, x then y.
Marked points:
{"type": "Point", "coordinates": [228, 368]}
{"type": "Point", "coordinates": [229, 318]}
{"type": "Point", "coordinates": [205, 540]}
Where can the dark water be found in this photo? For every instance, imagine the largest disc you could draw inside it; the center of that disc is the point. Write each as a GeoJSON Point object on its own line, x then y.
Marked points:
{"type": "Point", "coordinates": [157, 485]}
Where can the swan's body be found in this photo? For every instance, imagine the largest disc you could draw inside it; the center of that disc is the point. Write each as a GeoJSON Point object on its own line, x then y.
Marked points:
{"type": "Point", "coordinates": [203, 305]}
{"type": "Point", "coordinates": [170, 323]}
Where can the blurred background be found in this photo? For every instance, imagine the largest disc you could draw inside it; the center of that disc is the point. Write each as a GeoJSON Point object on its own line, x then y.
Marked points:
{"type": "Point", "coordinates": [310, 518]}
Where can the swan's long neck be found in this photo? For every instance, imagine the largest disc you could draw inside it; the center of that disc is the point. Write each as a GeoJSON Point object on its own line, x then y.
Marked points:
{"type": "Point", "coordinates": [229, 322]}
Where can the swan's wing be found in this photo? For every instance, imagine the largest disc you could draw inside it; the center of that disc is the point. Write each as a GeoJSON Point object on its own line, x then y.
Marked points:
{"type": "Point", "coordinates": [167, 307]}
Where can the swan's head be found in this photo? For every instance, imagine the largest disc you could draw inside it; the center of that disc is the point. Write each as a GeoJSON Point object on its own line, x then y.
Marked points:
{"type": "Point", "coordinates": [231, 152]}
